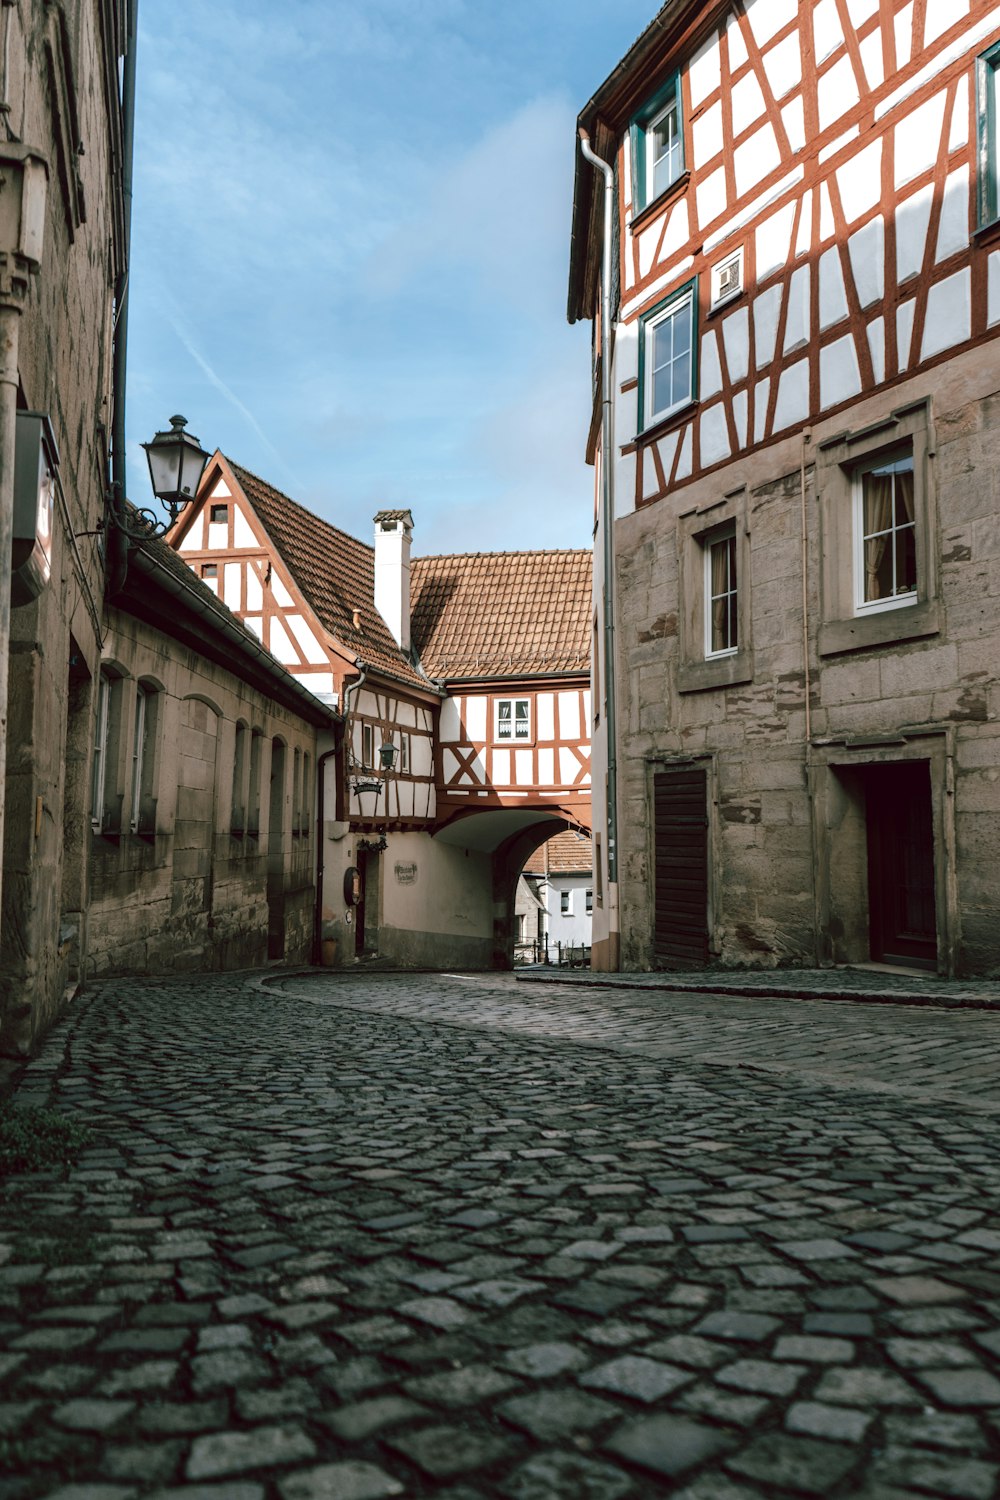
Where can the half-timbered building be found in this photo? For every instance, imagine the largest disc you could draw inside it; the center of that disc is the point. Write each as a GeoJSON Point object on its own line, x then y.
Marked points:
{"type": "Point", "coordinates": [805, 284]}
{"type": "Point", "coordinates": [463, 692]}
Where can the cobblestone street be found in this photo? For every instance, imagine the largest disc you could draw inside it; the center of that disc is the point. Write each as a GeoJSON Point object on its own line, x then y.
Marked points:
{"type": "Point", "coordinates": [351, 1237]}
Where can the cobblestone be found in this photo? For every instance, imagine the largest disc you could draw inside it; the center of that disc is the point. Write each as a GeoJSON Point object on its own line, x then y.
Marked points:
{"type": "Point", "coordinates": [385, 1235]}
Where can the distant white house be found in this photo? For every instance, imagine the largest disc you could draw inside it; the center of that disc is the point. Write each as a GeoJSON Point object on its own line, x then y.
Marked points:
{"type": "Point", "coordinates": [555, 899]}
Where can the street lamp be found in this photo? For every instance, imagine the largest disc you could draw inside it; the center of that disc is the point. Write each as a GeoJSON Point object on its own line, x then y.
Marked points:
{"type": "Point", "coordinates": [176, 463]}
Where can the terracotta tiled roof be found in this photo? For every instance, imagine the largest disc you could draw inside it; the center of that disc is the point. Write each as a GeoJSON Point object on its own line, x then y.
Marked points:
{"type": "Point", "coordinates": [568, 854]}
{"type": "Point", "coordinates": [501, 614]}
{"type": "Point", "coordinates": [336, 574]}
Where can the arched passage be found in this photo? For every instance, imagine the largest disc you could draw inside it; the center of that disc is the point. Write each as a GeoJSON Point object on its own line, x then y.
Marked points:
{"type": "Point", "coordinates": [510, 836]}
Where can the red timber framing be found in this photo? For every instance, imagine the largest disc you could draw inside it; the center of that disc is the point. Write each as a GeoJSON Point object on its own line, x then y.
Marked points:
{"type": "Point", "coordinates": [838, 145]}
{"type": "Point", "coordinates": [539, 762]}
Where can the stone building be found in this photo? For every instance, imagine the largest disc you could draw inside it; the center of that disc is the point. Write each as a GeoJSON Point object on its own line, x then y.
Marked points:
{"type": "Point", "coordinates": [61, 85]}
{"type": "Point", "coordinates": [806, 414]}
{"type": "Point", "coordinates": [463, 685]}
{"type": "Point", "coordinates": [158, 764]}
{"type": "Point", "coordinates": [202, 786]}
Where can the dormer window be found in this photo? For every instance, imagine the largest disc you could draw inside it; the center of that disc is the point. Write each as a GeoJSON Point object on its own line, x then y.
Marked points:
{"type": "Point", "coordinates": [657, 145]}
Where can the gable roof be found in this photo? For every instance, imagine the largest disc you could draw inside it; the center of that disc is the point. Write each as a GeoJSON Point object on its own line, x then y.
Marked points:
{"type": "Point", "coordinates": [335, 573]}
{"type": "Point", "coordinates": [154, 567]}
{"type": "Point", "coordinates": [501, 614]}
{"type": "Point", "coordinates": [565, 853]}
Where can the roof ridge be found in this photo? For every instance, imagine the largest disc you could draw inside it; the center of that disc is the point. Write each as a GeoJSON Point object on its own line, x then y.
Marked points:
{"type": "Point", "coordinates": [504, 552]}
{"type": "Point", "coordinates": [312, 515]}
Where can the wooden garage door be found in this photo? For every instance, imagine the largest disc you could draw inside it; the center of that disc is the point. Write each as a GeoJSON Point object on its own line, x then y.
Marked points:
{"type": "Point", "coordinates": [681, 876]}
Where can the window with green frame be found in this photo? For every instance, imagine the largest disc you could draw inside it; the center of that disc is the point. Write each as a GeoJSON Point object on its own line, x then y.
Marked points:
{"type": "Point", "coordinates": [668, 356]}
{"type": "Point", "coordinates": [987, 69]}
{"type": "Point", "coordinates": [657, 145]}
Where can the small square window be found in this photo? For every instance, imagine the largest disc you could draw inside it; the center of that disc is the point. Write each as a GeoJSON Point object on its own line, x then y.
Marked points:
{"type": "Point", "coordinates": [218, 515]}
{"type": "Point", "coordinates": [667, 357]}
{"type": "Point", "coordinates": [564, 904]}
{"type": "Point", "coordinates": [657, 146]}
{"type": "Point", "coordinates": [210, 570]}
{"type": "Point", "coordinates": [885, 551]}
{"type": "Point", "coordinates": [512, 720]}
{"type": "Point", "coordinates": [721, 596]}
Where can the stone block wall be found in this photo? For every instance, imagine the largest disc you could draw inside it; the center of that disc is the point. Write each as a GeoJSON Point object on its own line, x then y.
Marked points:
{"type": "Point", "coordinates": [60, 57]}
{"type": "Point", "coordinates": [785, 839]}
{"type": "Point", "coordinates": [194, 895]}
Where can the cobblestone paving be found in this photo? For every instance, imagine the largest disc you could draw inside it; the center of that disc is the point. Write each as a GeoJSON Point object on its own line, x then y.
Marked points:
{"type": "Point", "coordinates": [343, 1239]}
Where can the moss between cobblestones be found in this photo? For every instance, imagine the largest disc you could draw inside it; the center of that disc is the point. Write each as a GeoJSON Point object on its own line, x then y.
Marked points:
{"type": "Point", "coordinates": [32, 1139]}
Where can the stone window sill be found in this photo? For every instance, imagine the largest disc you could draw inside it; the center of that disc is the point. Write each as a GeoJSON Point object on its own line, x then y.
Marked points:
{"type": "Point", "coordinates": [869, 632]}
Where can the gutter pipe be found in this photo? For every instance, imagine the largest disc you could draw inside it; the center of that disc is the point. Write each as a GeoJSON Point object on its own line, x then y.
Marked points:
{"type": "Point", "coordinates": [607, 512]}
{"type": "Point", "coordinates": [341, 725]}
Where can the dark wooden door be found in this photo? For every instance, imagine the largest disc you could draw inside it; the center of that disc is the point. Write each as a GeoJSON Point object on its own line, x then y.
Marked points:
{"type": "Point", "coordinates": [901, 908]}
{"type": "Point", "coordinates": [680, 931]}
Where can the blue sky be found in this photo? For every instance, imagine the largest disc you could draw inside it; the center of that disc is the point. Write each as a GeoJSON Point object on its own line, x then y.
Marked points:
{"type": "Point", "coordinates": [349, 254]}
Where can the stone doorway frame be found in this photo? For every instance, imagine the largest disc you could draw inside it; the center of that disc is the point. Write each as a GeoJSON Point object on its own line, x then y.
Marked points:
{"type": "Point", "coordinates": [840, 839]}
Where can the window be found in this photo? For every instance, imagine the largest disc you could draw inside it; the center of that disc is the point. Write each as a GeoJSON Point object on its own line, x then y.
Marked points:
{"type": "Point", "coordinates": [142, 806]}
{"type": "Point", "coordinates": [876, 496]}
{"type": "Point", "coordinates": [210, 570]}
{"type": "Point", "coordinates": [513, 719]}
{"type": "Point", "coordinates": [721, 617]}
{"type": "Point", "coordinates": [989, 159]}
{"type": "Point", "coordinates": [714, 595]}
{"type": "Point", "coordinates": [307, 795]}
{"type": "Point", "coordinates": [667, 356]}
{"type": "Point", "coordinates": [237, 825]}
{"type": "Point", "coordinates": [885, 552]}
{"type": "Point", "coordinates": [253, 799]}
{"type": "Point", "coordinates": [296, 793]}
{"type": "Point", "coordinates": [367, 746]}
{"type": "Point", "coordinates": [564, 903]}
{"type": "Point", "coordinates": [404, 753]}
{"type": "Point", "coordinates": [588, 902]}
{"type": "Point", "coordinates": [218, 515]}
{"type": "Point", "coordinates": [657, 146]}
{"type": "Point", "coordinates": [105, 800]}
{"type": "Point", "coordinates": [598, 869]}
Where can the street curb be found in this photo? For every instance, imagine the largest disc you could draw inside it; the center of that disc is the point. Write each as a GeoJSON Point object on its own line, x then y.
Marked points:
{"type": "Point", "coordinates": [945, 1000]}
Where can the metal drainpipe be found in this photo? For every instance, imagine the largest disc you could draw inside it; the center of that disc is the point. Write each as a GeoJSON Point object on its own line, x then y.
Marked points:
{"type": "Point", "coordinates": [117, 558]}
{"type": "Point", "coordinates": [607, 523]}
{"type": "Point", "coordinates": [321, 808]}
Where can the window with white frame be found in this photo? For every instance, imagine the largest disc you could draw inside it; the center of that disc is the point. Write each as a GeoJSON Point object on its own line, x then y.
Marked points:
{"type": "Point", "coordinates": [588, 902]}
{"type": "Point", "coordinates": [720, 593]}
{"type": "Point", "coordinates": [404, 753]}
{"type": "Point", "coordinates": [512, 720]}
{"type": "Point", "coordinates": [657, 145]}
{"type": "Point", "coordinates": [885, 552]}
{"type": "Point", "coordinates": [667, 356]}
{"type": "Point", "coordinates": [564, 904]}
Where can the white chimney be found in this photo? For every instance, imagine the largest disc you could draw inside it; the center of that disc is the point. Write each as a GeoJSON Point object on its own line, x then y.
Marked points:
{"type": "Point", "coordinates": [393, 535]}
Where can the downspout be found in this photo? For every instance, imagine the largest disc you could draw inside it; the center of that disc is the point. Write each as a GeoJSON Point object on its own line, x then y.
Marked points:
{"type": "Point", "coordinates": [321, 807]}
{"type": "Point", "coordinates": [117, 560]}
{"type": "Point", "coordinates": [607, 512]}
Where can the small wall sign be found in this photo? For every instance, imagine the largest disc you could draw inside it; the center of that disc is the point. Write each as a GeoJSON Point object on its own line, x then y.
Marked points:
{"type": "Point", "coordinates": [406, 874]}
